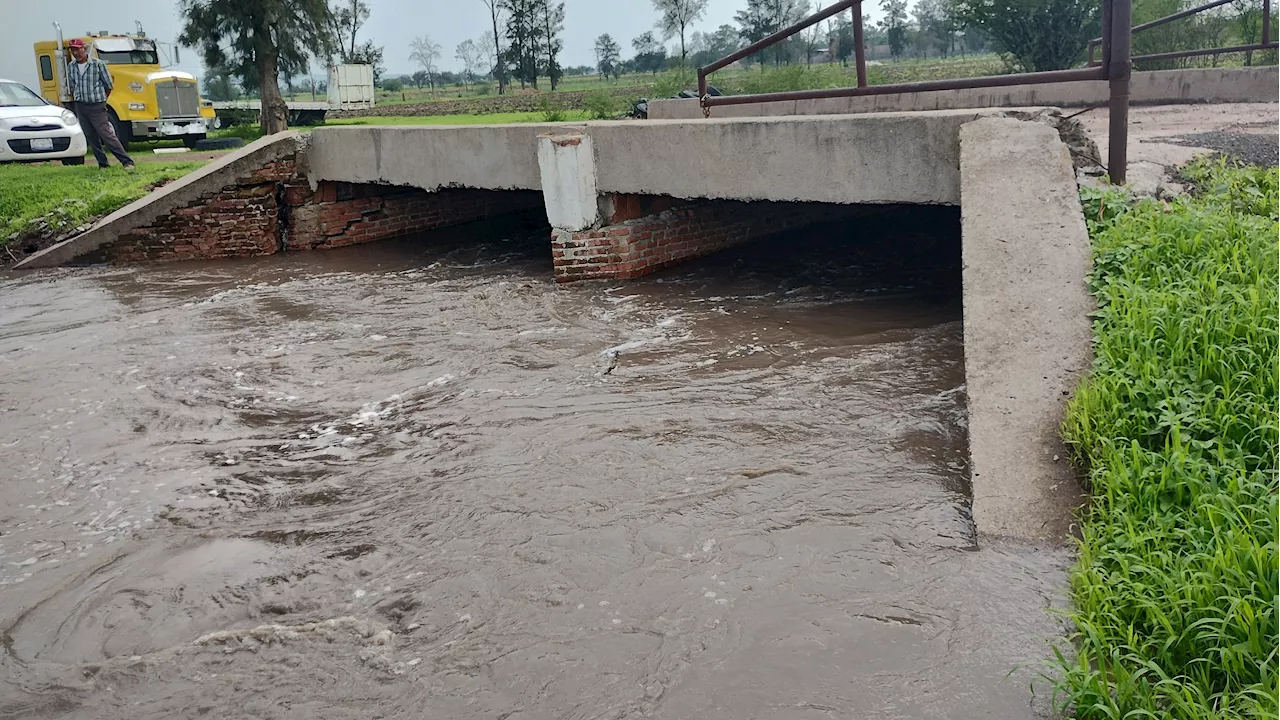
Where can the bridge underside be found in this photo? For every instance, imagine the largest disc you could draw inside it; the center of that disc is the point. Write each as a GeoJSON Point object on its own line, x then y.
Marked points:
{"type": "Point", "coordinates": [625, 199]}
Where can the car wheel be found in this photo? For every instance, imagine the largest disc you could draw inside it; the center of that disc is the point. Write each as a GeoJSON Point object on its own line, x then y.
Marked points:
{"type": "Point", "coordinates": [73, 161]}
{"type": "Point", "coordinates": [220, 143]}
{"type": "Point", "coordinates": [192, 141]}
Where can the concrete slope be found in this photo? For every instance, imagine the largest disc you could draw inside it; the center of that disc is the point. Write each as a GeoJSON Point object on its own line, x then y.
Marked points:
{"type": "Point", "coordinates": [1026, 323]}
{"type": "Point", "coordinates": [180, 193]}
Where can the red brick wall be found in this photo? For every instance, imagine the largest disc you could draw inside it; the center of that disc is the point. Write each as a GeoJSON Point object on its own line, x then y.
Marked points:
{"type": "Point", "coordinates": [342, 214]}
{"type": "Point", "coordinates": [273, 209]}
{"type": "Point", "coordinates": [236, 221]}
{"type": "Point", "coordinates": [641, 245]}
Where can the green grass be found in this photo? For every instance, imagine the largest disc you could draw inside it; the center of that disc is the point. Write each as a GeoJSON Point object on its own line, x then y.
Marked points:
{"type": "Point", "coordinates": [52, 198]}
{"type": "Point", "coordinates": [1175, 591]}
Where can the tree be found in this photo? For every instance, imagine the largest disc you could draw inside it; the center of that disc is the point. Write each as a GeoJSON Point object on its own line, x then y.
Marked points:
{"type": "Point", "coordinates": [936, 23]}
{"type": "Point", "coordinates": [1039, 35]}
{"type": "Point", "coordinates": [425, 53]}
{"type": "Point", "coordinates": [258, 39]}
{"type": "Point", "coordinates": [651, 56]}
{"type": "Point", "coordinates": [723, 41]}
{"type": "Point", "coordinates": [607, 54]}
{"type": "Point", "coordinates": [345, 20]}
{"type": "Point", "coordinates": [755, 23]}
{"type": "Point", "coordinates": [676, 17]}
{"type": "Point", "coordinates": [552, 24]}
{"type": "Point", "coordinates": [840, 38]}
{"type": "Point", "coordinates": [765, 17]}
{"type": "Point", "coordinates": [895, 25]}
{"type": "Point", "coordinates": [811, 37]}
{"type": "Point", "coordinates": [494, 45]}
{"type": "Point", "coordinates": [219, 86]}
{"type": "Point", "coordinates": [1248, 22]}
{"type": "Point", "coordinates": [470, 55]}
{"type": "Point", "coordinates": [419, 78]}
{"type": "Point", "coordinates": [524, 38]}
{"type": "Point", "coordinates": [366, 53]}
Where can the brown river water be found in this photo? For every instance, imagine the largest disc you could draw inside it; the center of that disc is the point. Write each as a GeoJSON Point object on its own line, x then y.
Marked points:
{"type": "Point", "coordinates": [418, 479]}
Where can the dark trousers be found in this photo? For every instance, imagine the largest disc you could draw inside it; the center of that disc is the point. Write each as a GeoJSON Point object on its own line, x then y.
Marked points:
{"type": "Point", "coordinates": [96, 123]}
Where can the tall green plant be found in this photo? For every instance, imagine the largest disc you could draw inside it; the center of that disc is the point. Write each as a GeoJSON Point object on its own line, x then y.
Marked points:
{"type": "Point", "coordinates": [1175, 590]}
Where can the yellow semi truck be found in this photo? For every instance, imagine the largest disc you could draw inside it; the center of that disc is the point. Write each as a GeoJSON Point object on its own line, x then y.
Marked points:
{"type": "Point", "coordinates": [148, 102]}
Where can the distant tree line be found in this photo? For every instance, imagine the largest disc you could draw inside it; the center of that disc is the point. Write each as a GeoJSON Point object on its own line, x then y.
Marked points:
{"type": "Point", "coordinates": [252, 48]}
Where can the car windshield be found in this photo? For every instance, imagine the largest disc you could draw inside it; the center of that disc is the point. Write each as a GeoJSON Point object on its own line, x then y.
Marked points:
{"type": "Point", "coordinates": [14, 95]}
{"type": "Point", "coordinates": [129, 57]}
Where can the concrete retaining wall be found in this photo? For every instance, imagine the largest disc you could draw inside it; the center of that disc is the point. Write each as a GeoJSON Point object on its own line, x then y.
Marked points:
{"type": "Point", "coordinates": [1199, 85]}
{"type": "Point", "coordinates": [1026, 323]}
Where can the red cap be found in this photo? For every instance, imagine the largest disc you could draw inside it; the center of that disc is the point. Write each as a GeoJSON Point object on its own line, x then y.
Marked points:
{"type": "Point", "coordinates": [75, 43]}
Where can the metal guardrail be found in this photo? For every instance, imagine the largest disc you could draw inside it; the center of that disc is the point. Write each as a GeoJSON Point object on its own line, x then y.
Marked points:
{"type": "Point", "coordinates": [1266, 44]}
{"type": "Point", "coordinates": [1115, 67]}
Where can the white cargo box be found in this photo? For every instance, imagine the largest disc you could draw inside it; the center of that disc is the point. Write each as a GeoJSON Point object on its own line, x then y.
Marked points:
{"type": "Point", "coordinates": [350, 87]}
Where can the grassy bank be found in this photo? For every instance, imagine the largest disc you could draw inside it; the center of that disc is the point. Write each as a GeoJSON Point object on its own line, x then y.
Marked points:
{"type": "Point", "coordinates": [44, 200]}
{"type": "Point", "coordinates": [1176, 586]}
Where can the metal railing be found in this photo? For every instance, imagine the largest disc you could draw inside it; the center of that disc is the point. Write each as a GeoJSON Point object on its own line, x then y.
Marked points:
{"type": "Point", "coordinates": [1115, 67]}
{"type": "Point", "coordinates": [1266, 44]}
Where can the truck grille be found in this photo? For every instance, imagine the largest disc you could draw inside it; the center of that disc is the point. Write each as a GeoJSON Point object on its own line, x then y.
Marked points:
{"type": "Point", "coordinates": [178, 99]}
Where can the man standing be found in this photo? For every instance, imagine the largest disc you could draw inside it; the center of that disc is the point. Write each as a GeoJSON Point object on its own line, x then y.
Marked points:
{"type": "Point", "coordinates": [90, 85]}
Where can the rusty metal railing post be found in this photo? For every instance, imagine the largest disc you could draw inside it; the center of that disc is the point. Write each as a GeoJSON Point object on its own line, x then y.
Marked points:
{"type": "Point", "coordinates": [1119, 69]}
{"type": "Point", "coordinates": [1266, 21]}
{"type": "Point", "coordinates": [1105, 40]}
{"type": "Point", "coordinates": [859, 46]}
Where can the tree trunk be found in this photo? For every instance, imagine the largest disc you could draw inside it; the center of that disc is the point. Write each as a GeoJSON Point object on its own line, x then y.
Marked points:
{"type": "Point", "coordinates": [354, 25]}
{"type": "Point", "coordinates": [497, 49]}
{"type": "Point", "coordinates": [275, 113]}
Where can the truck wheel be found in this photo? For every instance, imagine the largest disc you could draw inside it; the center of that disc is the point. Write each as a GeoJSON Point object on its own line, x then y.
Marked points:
{"type": "Point", "coordinates": [73, 161]}
{"type": "Point", "coordinates": [192, 141]}
{"type": "Point", "coordinates": [124, 131]}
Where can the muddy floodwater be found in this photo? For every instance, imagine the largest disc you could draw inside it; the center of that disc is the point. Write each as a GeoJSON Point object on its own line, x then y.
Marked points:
{"type": "Point", "coordinates": [418, 479]}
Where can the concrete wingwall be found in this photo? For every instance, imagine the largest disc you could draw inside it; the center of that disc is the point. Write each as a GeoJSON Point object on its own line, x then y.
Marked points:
{"type": "Point", "coordinates": [1026, 323]}
{"type": "Point", "coordinates": [1193, 85]}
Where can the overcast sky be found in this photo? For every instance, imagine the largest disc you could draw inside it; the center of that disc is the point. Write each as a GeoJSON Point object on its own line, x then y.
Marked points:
{"type": "Point", "coordinates": [393, 24]}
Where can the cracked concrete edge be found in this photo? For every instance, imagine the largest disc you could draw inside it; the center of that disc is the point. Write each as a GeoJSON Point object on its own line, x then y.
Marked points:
{"type": "Point", "coordinates": [1027, 333]}
{"type": "Point", "coordinates": [162, 201]}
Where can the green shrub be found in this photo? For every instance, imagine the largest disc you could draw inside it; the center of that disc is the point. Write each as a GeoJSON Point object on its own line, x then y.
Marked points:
{"type": "Point", "coordinates": [551, 109]}
{"type": "Point", "coordinates": [673, 82]}
{"type": "Point", "coordinates": [600, 105]}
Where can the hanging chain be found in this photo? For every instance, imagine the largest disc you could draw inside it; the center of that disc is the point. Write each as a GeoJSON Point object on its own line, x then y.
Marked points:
{"type": "Point", "coordinates": [706, 109]}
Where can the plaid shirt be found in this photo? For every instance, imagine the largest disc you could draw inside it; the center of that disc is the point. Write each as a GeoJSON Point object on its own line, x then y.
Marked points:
{"type": "Point", "coordinates": [91, 87]}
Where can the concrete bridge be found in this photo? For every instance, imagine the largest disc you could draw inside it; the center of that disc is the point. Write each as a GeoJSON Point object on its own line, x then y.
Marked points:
{"type": "Point", "coordinates": [627, 198]}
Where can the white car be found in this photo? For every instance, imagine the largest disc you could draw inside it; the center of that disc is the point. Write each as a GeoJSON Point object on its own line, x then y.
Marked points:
{"type": "Point", "coordinates": [32, 130]}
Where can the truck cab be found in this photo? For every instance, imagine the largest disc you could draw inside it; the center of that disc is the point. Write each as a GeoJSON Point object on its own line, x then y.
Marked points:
{"type": "Point", "coordinates": [148, 101]}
